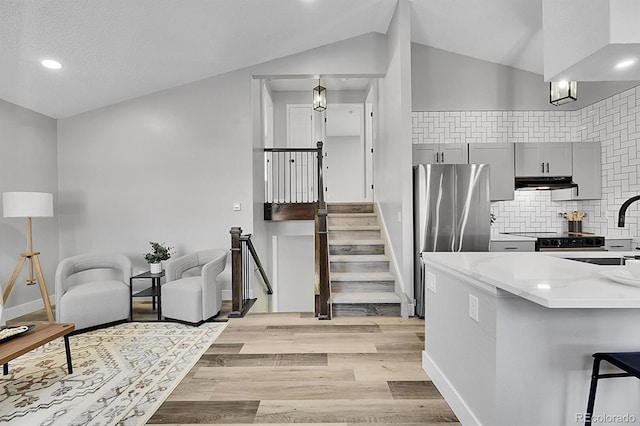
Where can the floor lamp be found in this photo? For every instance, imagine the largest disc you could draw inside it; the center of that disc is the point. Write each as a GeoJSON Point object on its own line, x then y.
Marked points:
{"type": "Point", "coordinates": [29, 204]}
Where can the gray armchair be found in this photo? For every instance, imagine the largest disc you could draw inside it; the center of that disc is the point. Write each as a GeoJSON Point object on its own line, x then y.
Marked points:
{"type": "Point", "coordinates": [93, 289]}
{"type": "Point", "coordinates": [192, 292]}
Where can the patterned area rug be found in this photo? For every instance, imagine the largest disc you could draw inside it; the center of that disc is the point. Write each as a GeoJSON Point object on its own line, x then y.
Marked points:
{"type": "Point", "coordinates": [121, 375]}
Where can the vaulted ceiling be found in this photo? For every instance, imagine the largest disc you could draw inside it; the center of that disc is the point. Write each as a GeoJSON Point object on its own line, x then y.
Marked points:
{"type": "Point", "coordinates": [113, 50]}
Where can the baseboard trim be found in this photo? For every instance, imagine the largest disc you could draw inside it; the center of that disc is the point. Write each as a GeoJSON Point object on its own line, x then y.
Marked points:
{"type": "Point", "coordinates": [36, 305]}
{"type": "Point", "coordinates": [408, 308]}
{"type": "Point", "coordinates": [227, 295]}
{"type": "Point", "coordinates": [25, 308]}
{"type": "Point", "coordinates": [450, 394]}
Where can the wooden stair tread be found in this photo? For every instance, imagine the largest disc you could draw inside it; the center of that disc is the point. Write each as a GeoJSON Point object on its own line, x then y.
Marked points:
{"type": "Point", "coordinates": [361, 282]}
{"type": "Point", "coordinates": [370, 297]}
{"type": "Point", "coordinates": [351, 215]}
{"type": "Point", "coordinates": [359, 258]}
{"type": "Point", "coordinates": [354, 227]}
{"type": "Point", "coordinates": [365, 242]}
{"type": "Point", "coordinates": [362, 276]}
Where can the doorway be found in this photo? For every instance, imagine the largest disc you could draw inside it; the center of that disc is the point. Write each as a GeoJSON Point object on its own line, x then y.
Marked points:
{"type": "Point", "coordinates": [344, 161]}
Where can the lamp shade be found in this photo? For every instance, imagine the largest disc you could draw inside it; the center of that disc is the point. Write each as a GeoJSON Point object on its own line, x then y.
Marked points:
{"type": "Point", "coordinates": [27, 204]}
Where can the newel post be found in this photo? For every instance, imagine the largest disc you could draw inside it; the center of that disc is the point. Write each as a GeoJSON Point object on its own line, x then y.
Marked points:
{"type": "Point", "coordinates": [236, 269]}
{"type": "Point", "coordinates": [322, 257]}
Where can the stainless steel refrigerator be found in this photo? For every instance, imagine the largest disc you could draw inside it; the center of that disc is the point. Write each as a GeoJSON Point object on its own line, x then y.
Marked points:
{"type": "Point", "coordinates": [451, 212]}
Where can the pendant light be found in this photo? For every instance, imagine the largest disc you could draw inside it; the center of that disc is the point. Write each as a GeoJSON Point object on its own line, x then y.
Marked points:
{"type": "Point", "coordinates": [562, 92]}
{"type": "Point", "coordinates": [319, 98]}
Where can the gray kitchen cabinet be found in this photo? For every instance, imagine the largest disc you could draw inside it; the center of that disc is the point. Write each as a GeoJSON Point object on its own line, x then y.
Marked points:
{"type": "Point", "coordinates": [499, 156]}
{"type": "Point", "coordinates": [512, 246]}
{"type": "Point", "coordinates": [617, 244]}
{"type": "Point", "coordinates": [587, 173]}
{"type": "Point", "coordinates": [543, 159]}
{"type": "Point", "coordinates": [440, 153]}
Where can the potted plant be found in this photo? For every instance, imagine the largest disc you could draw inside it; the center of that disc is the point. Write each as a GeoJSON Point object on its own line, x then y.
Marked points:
{"type": "Point", "coordinates": [158, 253]}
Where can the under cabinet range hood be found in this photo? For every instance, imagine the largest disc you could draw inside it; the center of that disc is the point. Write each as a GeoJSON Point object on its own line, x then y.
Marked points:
{"type": "Point", "coordinates": [537, 183]}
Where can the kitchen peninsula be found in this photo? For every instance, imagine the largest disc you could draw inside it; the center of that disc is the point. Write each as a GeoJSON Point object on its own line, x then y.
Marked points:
{"type": "Point", "coordinates": [509, 336]}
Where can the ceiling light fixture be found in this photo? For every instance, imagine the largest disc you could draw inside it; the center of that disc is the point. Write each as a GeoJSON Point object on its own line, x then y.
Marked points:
{"type": "Point", "coordinates": [51, 64]}
{"type": "Point", "coordinates": [562, 92]}
{"type": "Point", "coordinates": [319, 97]}
{"type": "Point", "coordinates": [625, 64]}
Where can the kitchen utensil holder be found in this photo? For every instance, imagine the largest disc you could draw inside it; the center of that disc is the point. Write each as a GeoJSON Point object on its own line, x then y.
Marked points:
{"type": "Point", "coordinates": [574, 225]}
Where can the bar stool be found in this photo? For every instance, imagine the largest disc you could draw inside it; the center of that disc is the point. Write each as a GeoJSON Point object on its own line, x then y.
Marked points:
{"type": "Point", "coordinates": [629, 362]}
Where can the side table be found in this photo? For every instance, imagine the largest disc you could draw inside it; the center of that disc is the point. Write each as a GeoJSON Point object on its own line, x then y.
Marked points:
{"type": "Point", "coordinates": [154, 291]}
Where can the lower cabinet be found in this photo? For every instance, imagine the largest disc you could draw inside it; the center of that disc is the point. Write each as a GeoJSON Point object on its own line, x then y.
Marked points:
{"type": "Point", "coordinates": [512, 246]}
{"type": "Point", "coordinates": [617, 244]}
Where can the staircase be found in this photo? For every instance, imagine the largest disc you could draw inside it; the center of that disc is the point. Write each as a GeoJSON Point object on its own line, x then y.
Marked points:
{"type": "Point", "coordinates": [361, 284]}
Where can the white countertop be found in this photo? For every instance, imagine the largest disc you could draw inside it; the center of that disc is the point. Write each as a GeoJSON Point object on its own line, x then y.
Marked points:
{"type": "Point", "coordinates": [497, 236]}
{"type": "Point", "coordinates": [544, 278]}
{"type": "Point", "coordinates": [510, 237]}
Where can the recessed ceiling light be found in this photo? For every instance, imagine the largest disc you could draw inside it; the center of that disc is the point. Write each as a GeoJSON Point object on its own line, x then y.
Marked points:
{"type": "Point", "coordinates": [51, 64]}
{"type": "Point", "coordinates": [625, 64]}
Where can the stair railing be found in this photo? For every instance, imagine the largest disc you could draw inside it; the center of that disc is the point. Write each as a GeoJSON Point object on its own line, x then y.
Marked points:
{"type": "Point", "coordinates": [323, 289]}
{"type": "Point", "coordinates": [243, 255]}
{"type": "Point", "coordinates": [291, 175]}
{"type": "Point", "coordinates": [295, 176]}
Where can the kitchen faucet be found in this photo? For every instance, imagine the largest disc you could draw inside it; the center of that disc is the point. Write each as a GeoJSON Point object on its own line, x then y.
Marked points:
{"type": "Point", "coordinates": [623, 209]}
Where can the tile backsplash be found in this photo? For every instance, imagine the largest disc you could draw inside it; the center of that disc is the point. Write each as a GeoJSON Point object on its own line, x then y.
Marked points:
{"type": "Point", "coordinates": [493, 126]}
{"type": "Point", "coordinates": [614, 122]}
{"type": "Point", "coordinates": [533, 211]}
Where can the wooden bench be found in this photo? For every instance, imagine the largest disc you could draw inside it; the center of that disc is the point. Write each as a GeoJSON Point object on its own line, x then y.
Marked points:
{"type": "Point", "coordinates": [42, 333]}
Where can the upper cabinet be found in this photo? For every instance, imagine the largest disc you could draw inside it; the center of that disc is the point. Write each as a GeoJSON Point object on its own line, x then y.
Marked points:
{"type": "Point", "coordinates": [587, 173]}
{"type": "Point", "coordinates": [499, 156]}
{"type": "Point", "coordinates": [543, 159]}
{"type": "Point", "coordinates": [441, 153]}
{"type": "Point", "coordinates": [581, 160]}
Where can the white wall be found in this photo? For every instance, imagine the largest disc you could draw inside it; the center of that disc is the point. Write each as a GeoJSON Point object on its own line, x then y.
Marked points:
{"type": "Point", "coordinates": [295, 280]}
{"type": "Point", "coordinates": [169, 166]}
{"type": "Point", "coordinates": [260, 242]}
{"type": "Point", "coordinates": [445, 81]}
{"type": "Point", "coordinates": [392, 153]}
{"type": "Point", "coordinates": [164, 167]}
{"type": "Point", "coordinates": [28, 163]}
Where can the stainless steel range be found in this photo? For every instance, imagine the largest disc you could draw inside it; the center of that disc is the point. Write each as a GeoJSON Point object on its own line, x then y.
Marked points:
{"type": "Point", "coordinates": [551, 241]}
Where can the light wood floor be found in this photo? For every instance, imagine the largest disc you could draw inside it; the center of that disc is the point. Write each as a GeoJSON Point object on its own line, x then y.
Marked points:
{"type": "Point", "coordinates": [292, 368]}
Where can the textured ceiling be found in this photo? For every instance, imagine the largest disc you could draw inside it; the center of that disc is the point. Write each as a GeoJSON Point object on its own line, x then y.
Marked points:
{"type": "Point", "coordinates": [113, 50]}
